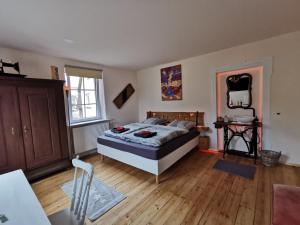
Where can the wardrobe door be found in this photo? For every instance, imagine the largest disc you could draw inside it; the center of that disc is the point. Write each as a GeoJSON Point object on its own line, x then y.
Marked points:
{"type": "Point", "coordinates": [11, 144]}
{"type": "Point", "coordinates": [40, 126]}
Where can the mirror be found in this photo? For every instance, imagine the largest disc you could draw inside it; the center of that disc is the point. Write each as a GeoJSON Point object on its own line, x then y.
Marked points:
{"type": "Point", "coordinates": [239, 91]}
{"type": "Point", "coordinates": [124, 95]}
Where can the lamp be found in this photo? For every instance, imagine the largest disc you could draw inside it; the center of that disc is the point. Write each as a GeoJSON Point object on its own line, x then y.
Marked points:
{"type": "Point", "coordinates": [66, 88]}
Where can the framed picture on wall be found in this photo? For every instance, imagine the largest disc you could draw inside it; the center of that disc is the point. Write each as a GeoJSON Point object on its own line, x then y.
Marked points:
{"type": "Point", "coordinates": [171, 83]}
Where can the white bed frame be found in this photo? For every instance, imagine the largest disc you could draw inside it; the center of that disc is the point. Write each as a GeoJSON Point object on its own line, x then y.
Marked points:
{"type": "Point", "coordinates": [155, 167]}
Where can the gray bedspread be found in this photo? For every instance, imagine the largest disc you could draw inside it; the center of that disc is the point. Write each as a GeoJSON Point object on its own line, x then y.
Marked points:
{"type": "Point", "coordinates": [133, 127]}
{"type": "Point", "coordinates": [164, 134]}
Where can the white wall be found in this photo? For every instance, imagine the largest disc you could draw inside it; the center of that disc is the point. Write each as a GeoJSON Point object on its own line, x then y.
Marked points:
{"type": "Point", "coordinates": [285, 94]}
{"type": "Point", "coordinates": [38, 66]}
{"type": "Point", "coordinates": [114, 82]}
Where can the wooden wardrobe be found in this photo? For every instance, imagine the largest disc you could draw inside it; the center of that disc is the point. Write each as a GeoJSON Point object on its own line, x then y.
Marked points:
{"type": "Point", "coordinates": [33, 134]}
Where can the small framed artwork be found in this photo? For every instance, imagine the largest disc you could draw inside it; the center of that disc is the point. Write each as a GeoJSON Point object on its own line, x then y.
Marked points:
{"type": "Point", "coordinates": [171, 83]}
{"type": "Point", "coordinates": [124, 95]}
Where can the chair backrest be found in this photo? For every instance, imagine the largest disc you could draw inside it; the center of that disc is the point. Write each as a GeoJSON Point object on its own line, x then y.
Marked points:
{"type": "Point", "coordinates": [81, 187]}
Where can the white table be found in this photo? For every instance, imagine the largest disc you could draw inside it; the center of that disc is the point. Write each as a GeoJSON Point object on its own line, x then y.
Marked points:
{"type": "Point", "coordinates": [18, 201]}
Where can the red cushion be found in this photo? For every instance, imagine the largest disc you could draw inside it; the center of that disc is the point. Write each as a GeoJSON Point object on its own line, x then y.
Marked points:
{"type": "Point", "coordinates": [120, 128]}
{"type": "Point", "coordinates": [144, 132]}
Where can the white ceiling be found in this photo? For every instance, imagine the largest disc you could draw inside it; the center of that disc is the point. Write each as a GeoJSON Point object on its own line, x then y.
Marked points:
{"type": "Point", "coordinates": [135, 34]}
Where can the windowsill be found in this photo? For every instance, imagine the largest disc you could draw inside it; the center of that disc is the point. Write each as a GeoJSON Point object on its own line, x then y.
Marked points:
{"type": "Point", "coordinates": [88, 123]}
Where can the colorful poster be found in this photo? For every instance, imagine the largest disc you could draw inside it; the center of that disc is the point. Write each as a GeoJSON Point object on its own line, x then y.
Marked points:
{"type": "Point", "coordinates": [171, 83]}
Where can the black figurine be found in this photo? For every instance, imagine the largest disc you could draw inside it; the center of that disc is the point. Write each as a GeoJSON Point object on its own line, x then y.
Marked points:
{"type": "Point", "coordinates": [6, 64]}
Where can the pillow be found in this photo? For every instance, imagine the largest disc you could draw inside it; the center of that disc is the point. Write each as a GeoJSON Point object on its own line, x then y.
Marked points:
{"type": "Point", "coordinates": [173, 123]}
{"type": "Point", "coordinates": [155, 121]}
{"type": "Point", "coordinates": [162, 122]}
{"type": "Point", "coordinates": [184, 124]}
{"type": "Point", "coordinates": [151, 120]}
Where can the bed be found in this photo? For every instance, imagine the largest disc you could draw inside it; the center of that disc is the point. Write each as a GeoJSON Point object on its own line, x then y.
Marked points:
{"type": "Point", "coordinates": [153, 159]}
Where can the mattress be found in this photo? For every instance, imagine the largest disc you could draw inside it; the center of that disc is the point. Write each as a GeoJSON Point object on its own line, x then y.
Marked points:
{"type": "Point", "coordinates": [145, 151]}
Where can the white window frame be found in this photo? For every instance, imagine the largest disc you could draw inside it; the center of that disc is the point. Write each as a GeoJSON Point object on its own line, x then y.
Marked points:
{"type": "Point", "coordinates": [98, 102]}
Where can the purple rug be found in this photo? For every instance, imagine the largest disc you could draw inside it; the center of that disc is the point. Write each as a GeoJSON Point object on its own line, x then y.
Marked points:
{"type": "Point", "coordinates": [237, 169]}
{"type": "Point", "coordinates": [286, 205]}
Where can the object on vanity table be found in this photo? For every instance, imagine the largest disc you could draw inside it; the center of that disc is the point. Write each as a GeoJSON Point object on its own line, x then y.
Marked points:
{"type": "Point", "coordinates": [226, 119]}
{"type": "Point", "coordinates": [219, 122]}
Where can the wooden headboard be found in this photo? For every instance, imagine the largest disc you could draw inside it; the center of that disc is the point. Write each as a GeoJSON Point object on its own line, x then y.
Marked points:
{"type": "Point", "coordinates": [197, 117]}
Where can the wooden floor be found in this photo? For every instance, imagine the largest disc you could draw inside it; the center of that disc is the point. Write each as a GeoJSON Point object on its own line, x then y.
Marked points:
{"type": "Point", "coordinates": [191, 192]}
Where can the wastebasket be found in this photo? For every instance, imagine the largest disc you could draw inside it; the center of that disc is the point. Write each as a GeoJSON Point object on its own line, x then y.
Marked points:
{"type": "Point", "coordinates": [270, 157]}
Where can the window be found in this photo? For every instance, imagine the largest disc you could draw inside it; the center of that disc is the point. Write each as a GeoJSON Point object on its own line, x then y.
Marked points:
{"type": "Point", "coordinates": [84, 96]}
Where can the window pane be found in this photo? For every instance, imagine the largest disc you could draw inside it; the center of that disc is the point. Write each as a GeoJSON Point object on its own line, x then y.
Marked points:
{"type": "Point", "coordinates": [77, 97]}
{"type": "Point", "coordinates": [90, 97]}
{"type": "Point", "coordinates": [76, 82]}
{"type": "Point", "coordinates": [89, 83]}
{"type": "Point", "coordinates": [78, 112]}
{"type": "Point", "coordinates": [83, 99]}
{"type": "Point", "coordinates": [90, 111]}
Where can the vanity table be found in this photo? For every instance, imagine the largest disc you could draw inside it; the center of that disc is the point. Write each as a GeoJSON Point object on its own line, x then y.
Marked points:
{"type": "Point", "coordinates": [240, 130]}
{"type": "Point", "coordinates": [239, 96]}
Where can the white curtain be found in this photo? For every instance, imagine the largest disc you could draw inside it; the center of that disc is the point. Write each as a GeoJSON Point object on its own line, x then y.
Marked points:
{"type": "Point", "coordinates": [102, 99]}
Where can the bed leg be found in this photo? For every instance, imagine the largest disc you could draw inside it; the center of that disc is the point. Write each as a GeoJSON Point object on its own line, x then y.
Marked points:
{"type": "Point", "coordinates": [157, 179]}
{"type": "Point", "coordinates": [102, 158]}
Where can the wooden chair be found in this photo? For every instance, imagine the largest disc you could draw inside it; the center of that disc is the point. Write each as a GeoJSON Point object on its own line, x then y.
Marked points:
{"type": "Point", "coordinates": [79, 202]}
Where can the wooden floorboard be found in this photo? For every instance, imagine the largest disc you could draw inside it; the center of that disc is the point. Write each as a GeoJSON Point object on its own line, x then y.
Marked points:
{"type": "Point", "coordinates": [190, 192]}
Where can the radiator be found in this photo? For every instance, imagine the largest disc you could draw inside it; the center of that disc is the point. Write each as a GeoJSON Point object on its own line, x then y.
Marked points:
{"type": "Point", "coordinates": [85, 138]}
